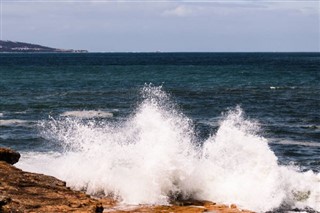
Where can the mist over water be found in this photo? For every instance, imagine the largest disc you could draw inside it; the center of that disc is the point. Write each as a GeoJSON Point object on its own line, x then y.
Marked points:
{"type": "Point", "coordinates": [154, 155]}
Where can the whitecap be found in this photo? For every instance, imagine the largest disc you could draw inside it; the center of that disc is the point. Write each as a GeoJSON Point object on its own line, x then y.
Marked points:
{"type": "Point", "coordinates": [299, 143]}
{"type": "Point", "coordinates": [283, 87]}
{"type": "Point", "coordinates": [20, 112]}
{"type": "Point", "coordinates": [14, 122]}
{"type": "Point", "coordinates": [85, 114]}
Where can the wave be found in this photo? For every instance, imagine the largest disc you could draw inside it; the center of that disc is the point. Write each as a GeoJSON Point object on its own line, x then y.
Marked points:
{"type": "Point", "coordinates": [20, 112]}
{"type": "Point", "coordinates": [154, 156]}
{"type": "Point", "coordinates": [85, 114]}
{"type": "Point", "coordinates": [284, 87]}
{"type": "Point", "coordinates": [14, 122]}
{"type": "Point", "coordinates": [298, 143]}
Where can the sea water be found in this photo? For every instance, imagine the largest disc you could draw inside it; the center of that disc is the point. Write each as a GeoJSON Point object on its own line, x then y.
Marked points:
{"type": "Point", "coordinates": [145, 128]}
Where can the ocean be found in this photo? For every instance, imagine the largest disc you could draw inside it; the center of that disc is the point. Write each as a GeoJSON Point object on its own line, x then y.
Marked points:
{"type": "Point", "coordinates": [239, 128]}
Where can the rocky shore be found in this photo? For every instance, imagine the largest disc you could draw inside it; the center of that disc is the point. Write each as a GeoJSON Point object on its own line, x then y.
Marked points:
{"type": "Point", "coordinates": [22, 191]}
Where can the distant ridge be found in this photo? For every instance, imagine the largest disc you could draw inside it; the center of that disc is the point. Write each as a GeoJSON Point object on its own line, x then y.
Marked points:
{"type": "Point", "coordinates": [13, 46]}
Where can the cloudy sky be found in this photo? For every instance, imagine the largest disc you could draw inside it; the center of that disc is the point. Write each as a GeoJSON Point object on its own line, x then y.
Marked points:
{"type": "Point", "coordinates": [165, 25]}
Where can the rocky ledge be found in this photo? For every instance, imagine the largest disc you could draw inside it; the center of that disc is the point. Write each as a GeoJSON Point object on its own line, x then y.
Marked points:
{"type": "Point", "coordinates": [8, 155]}
{"type": "Point", "coordinates": [22, 191]}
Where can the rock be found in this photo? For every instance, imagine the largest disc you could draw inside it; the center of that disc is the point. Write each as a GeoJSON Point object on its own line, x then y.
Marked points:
{"type": "Point", "coordinates": [196, 207]}
{"type": "Point", "coordinates": [233, 206]}
{"type": "Point", "coordinates": [9, 155]}
{"type": "Point", "coordinates": [30, 192]}
{"type": "Point", "coordinates": [4, 200]}
{"type": "Point", "coordinates": [99, 208]}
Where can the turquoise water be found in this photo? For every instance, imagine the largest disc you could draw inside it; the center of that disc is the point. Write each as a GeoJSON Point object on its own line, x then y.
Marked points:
{"type": "Point", "coordinates": [279, 91]}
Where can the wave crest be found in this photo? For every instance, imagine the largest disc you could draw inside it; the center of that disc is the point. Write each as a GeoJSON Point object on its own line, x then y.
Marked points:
{"type": "Point", "coordinates": [153, 157]}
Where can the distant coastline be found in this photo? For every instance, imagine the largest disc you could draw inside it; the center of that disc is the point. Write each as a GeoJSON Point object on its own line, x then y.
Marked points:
{"type": "Point", "coordinates": [21, 47]}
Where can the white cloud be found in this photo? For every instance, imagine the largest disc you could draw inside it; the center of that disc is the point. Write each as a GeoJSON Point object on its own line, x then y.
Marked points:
{"type": "Point", "coordinates": [180, 11]}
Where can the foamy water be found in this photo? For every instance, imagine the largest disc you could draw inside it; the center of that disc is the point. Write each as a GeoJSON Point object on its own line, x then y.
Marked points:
{"type": "Point", "coordinates": [154, 156]}
{"type": "Point", "coordinates": [289, 142]}
{"type": "Point", "coordinates": [14, 122]}
{"type": "Point", "coordinates": [87, 114]}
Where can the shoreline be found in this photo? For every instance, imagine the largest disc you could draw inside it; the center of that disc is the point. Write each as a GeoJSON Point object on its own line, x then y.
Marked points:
{"type": "Point", "coordinates": [22, 191]}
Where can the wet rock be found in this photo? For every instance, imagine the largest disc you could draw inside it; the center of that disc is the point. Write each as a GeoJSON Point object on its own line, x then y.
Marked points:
{"type": "Point", "coordinates": [233, 206]}
{"type": "Point", "coordinates": [99, 208]}
{"type": "Point", "coordinates": [189, 207]}
{"type": "Point", "coordinates": [8, 155]}
{"type": "Point", "coordinates": [30, 192]}
{"type": "Point", "coordinates": [4, 200]}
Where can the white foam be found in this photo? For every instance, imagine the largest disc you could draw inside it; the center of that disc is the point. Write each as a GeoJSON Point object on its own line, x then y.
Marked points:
{"type": "Point", "coordinates": [85, 114]}
{"type": "Point", "coordinates": [21, 112]}
{"type": "Point", "coordinates": [274, 87]}
{"type": "Point", "coordinates": [153, 155]}
{"type": "Point", "coordinates": [299, 143]}
{"type": "Point", "coordinates": [13, 122]}
{"type": "Point", "coordinates": [1, 114]}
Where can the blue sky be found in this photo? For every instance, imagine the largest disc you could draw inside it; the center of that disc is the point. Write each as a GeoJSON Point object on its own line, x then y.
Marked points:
{"type": "Point", "coordinates": [173, 25]}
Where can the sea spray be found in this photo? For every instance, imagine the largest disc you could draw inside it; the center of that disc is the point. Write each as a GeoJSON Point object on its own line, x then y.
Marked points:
{"type": "Point", "coordinates": [238, 166]}
{"type": "Point", "coordinates": [154, 156]}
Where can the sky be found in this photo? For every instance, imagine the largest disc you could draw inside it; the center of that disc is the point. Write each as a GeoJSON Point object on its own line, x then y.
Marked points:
{"type": "Point", "coordinates": [165, 25]}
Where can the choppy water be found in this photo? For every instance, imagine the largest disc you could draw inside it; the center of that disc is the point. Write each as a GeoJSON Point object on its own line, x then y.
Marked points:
{"type": "Point", "coordinates": [238, 128]}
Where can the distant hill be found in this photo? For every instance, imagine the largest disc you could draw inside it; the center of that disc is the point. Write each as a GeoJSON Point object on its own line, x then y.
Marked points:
{"type": "Point", "coordinates": [13, 46]}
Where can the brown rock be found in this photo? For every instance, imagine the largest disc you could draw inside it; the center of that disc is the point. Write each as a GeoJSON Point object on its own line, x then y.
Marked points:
{"type": "Point", "coordinates": [4, 201]}
{"type": "Point", "coordinates": [233, 206]}
{"type": "Point", "coordinates": [184, 206]}
{"type": "Point", "coordinates": [196, 207]}
{"type": "Point", "coordinates": [99, 208]}
{"type": "Point", "coordinates": [29, 192]}
{"type": "Point", "coordinates": [9, 155]}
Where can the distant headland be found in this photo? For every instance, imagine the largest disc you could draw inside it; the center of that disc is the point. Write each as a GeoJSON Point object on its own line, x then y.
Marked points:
{"type": "Point", "coordinates": [16, 47]}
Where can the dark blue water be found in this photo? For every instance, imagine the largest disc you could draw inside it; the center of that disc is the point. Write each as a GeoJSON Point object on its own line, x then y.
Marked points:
{"type": "Point", "coordinates": [279, 90]}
